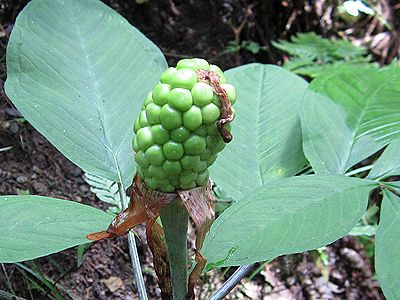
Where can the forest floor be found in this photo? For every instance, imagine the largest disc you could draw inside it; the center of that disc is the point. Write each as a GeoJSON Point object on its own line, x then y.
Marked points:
{"type": "Point", "coordinates": [344, 270]}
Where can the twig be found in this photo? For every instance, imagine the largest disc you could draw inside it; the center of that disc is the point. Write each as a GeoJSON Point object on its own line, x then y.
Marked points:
{"type": "Point", "coordinates": [238, 30]}
{"type": "Point", "coordinates": [7, 296]}
{"type": "Point", "coordinates": [7, 278]}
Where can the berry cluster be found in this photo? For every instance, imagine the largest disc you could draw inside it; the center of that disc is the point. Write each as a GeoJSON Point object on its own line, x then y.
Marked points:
{"type": "Point", "coordinates": [177, 137]}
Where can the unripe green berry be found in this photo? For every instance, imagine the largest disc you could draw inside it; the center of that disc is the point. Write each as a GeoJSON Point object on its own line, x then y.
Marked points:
{"type": "Point", "coordinates": [173, 150]}
{"type": "Point", "coordinates": [167, 75]}
{"type": "Point", "coordinates": [192, 118]}
{"type": "Point", "coordinates": [151, 182]}
{"type": "Point", "coordinates": [177, 137]}
{"type": "Point", "coordinates": [212, 129]}
{"type": "Point", "coordinates": [180, 134]}
{"type": "Point", "coordinates": [187, 186]}
{"type": "Point", "coordinates": [202, 93]}
{"type": "Point", "coordinates": [205, 154]}
{"type": "Point", "coordinates": [202, 166]}
{"type": "Point", "coordinates": [189, 161]}
{"type": "Point", "coordinates": [202, 177]}
{"type": "Point", "coordinates": [183, 78]}
{"type": "Point", "coordinates": [160, 134]}
{"type": "Point", "coordinates": [218, 147]}
{"type": "Point", "coordinates": [141, 160]}
{"type": "Point", "coordinates": [202, 130]}
{"type": "Point", "coordinates": [169, 188]}
{"type": "Point", "coordinates": [195, 144]}
{"type": "Point", "coordinates": [160, 93]}
{"type": "Point", "coordinates": [143, 119]}
{"type": "Point", "coordinates": [144, 171]}
{"type": "Point", "coordinates": [144, 138]}
{"type": "Point", "coordinates": [216, 100]}
{"type": "Point", "coordinates": [230, 92]}
{"type": "Point", "coordinates": [157, 172]}
{"type": "Point", "coordinates": [170, 117]}
{"type": "Point", "coordinates": [212, 159]}
{"type": "Point", "coordinates": [136, 126]}
{"type": "Point", "coordinates": [193, 64]}
{"type": "Point", "coordinates": [153, 113]}
{"type": "Point", "coordinates": [212, 140]}
{"type": "Point", "coordinates": [140, 173]}
{"type": "Point", "coordinates": [210, 113]}
{"type": "Point", "coordinates": [188, 178]}
{"type": "Point", "coordinates": [135, 145]}
{"type": "Point", "coordinates": [172, 167]}
{"type": "Point", "coordinates": [219, 72]}
{"type": "Point", "coordinates": [180, 99]}
{"type": "Point", "coordinates": [155, 155]}
{"type": "Point", "coordinates": [202, 63]}
{"type": "Point", "coordinates": [148, 99]}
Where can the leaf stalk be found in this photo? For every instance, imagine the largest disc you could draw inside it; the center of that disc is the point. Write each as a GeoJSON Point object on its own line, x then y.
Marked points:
{"type": "Point", "coordinates": [175, 218]}
{"type": "Point", "coordinates": [137, 271]}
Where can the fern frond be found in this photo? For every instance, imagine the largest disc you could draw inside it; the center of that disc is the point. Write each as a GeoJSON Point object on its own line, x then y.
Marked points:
{"type": "Point", "coordinates": [106, 190]}
{"type": "Point", "coordinates": [312, 55]}
{"type": "Point", "coordinates": [305, 45]}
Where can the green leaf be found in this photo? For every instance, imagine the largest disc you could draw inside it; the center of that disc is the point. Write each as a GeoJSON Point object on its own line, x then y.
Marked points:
{"type": "Point", "coordinates": [80, 252]}
{"type": "Point", "coordinates": [363, 230]}
{"type": "Point", "coordinates": [348, 115]}
{"type": "Point", "coordinates": [78, 72]}
{"type": "Point", "coordinates": [286, 216]}
{"type": "Point", "coordinates": [315, 70]}
{"type": "Point", "coordinates": [267, 140]}
{"type": "Point", "coordinates": [34, 226]}
{"type": "Point", "coordinates": [395, 185]}
{"type": "Point", "coordinates": [387, 246]}
{"type": "Point", "coordinates": [388, 164]}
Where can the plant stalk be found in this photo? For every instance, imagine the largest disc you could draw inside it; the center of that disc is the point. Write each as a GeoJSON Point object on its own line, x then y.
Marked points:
{"type": "Point", "coordinates": [236, 277]}
{"type": "Point", "coordinates": [137, 271]}
{"type": "Point", "coordinates": [175, 220]}
{"type": "Point", "coordinates": [359, 170]}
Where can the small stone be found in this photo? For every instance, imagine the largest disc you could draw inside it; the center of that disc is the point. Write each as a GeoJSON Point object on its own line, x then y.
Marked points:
{"type": "Point", "coordinates": [13, 112]}
{"type": "Point", "coordinates": [34, 176]}
{"type": "Point", "coordinates": [76, 172]}
{"type": "Point", "coordinates": [14, 127]}
{"type": "Point", "coordinates": [39, 187]}
{"type": "Point", "coordinates": [22, 179]}
{"type": "Point", "coordinates": [36, 169]}
{"type": "Point", "coordinates": [84, 188]}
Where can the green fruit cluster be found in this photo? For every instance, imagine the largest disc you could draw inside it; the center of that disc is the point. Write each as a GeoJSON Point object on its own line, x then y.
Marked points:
{"type": "Point", "coordinates": [177, 138]}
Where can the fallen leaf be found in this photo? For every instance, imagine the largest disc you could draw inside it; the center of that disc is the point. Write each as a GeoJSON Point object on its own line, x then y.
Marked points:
{"type": "Point", "coordinates": [113, 283]}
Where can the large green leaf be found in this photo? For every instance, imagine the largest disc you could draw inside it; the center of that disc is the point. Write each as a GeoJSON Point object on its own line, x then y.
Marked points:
{"type": "Point", "coordinates": [387, 246]}
{"type": "Point", "coordinates": [78, 72]}
{"type": "Point", "coordinates": [395, 185]}
{"type": "Point", "coordinates": [348, 115]}
{"type": "Point", "coordinates": [266, 131]}
{"type": "Point", "coordinates": [34, 226]}
{"type": "Point", "coordinates": [388, 164]}
{"type": "Point", "coordinates": [287, 216]}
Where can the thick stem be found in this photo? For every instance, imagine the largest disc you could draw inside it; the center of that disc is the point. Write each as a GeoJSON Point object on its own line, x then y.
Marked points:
{"type": "Point", "coordinates": [175, 220]}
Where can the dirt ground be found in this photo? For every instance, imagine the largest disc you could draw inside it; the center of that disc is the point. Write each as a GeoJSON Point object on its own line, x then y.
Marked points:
{"type": "Point", "coordinates": [181, 29]}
